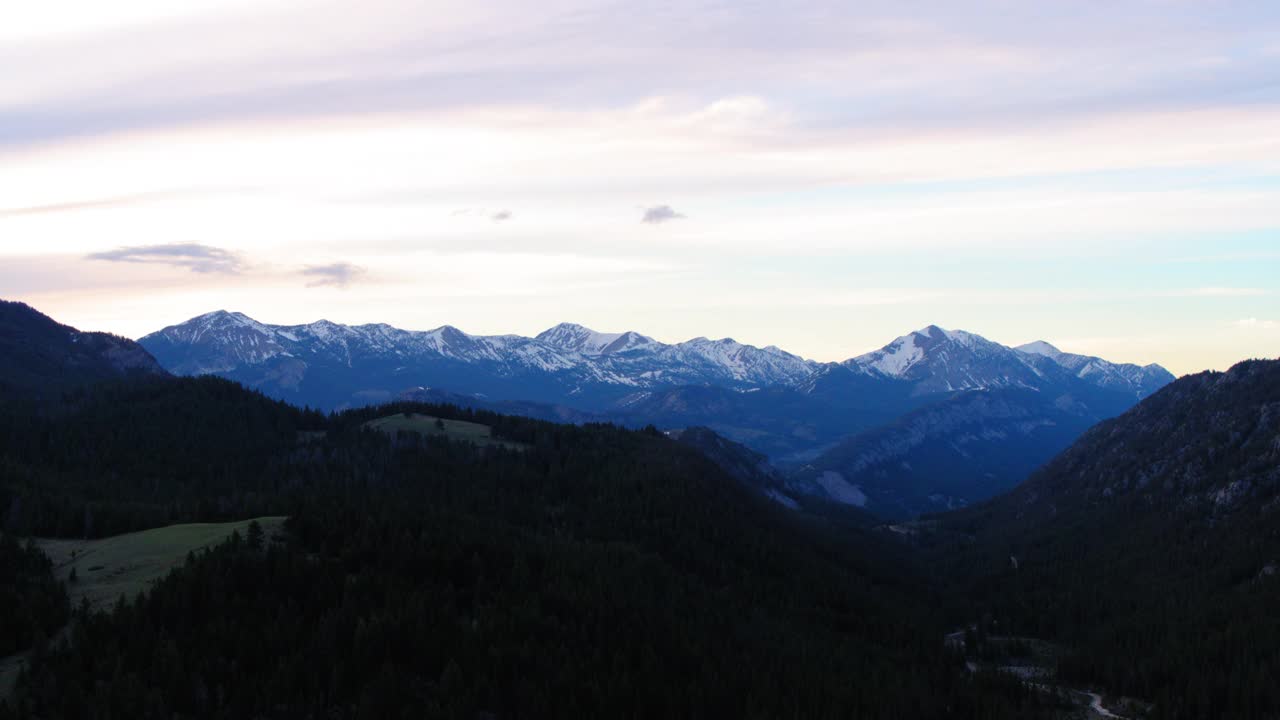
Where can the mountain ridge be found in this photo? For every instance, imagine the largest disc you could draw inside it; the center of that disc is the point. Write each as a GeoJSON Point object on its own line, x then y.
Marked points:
{"type": "Point", "coordinates": [790, 408]}
{"type": "Point", "coordinates": [40, 357]}
{"type": "Point", "coordinates": [926, 357]}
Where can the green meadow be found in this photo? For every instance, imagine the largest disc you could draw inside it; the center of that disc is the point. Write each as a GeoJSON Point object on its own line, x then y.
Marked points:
{"type": "Point", "coordinates": [430, 425]}
{"type": "Point", "coordinates": [127, 564]}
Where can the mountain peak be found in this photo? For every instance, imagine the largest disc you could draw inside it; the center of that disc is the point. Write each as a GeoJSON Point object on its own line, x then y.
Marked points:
{"type": "Point", "coordinates": [942, 360]}
{"type": "Point", "coordinates": [216, 324]}
{"type": "Point", "coordinates": [1039, 347]}
{"type": "Point", "coordinates": [219, 315]}
{"type": "Point", "coordinates": [938, 332]}
{"type": "Point", "coordinates": [1141, 381]}
{"type": "Point", "coordinates": [898, 357]}
{"type": "Point", "coordinates": [566, 328]}
{"type": "Point", "coordinates": [578, 338]}
{"type": "Point", "coordinates": [449, 332]}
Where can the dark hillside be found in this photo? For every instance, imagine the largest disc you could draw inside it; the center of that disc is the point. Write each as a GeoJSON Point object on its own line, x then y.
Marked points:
{"type": "Point", "coordinates": [1151, 546]}
{"type": "Point", "coordinates": [40, 358]}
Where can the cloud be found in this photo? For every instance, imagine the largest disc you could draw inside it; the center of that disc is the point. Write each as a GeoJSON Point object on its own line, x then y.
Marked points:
{"type": "Point", "coordinates": [494, 215]}
{"type": "Point", "coordinates": [339, 275]}
{"type": "Point", "coordinates": [659, 214]}
{"type": "Point", "coordinates": [1223, 292]}
{"type": "Point", "coordinates": [939, 62]}
{"type": "Point", "coordinates": [115, 201]}
{"type": "Point", "coordinates": [1256, 324]}
{"type": "Point", "coordinates": [194, 257]}
{"type": "Point", "coordinates": [74, 206]}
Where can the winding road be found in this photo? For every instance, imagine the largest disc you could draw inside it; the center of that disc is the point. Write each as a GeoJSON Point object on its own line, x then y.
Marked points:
{"type": "Point", "coordinates": [1096, 706]}
{"type": "Point", "coordinates": [955, 640]}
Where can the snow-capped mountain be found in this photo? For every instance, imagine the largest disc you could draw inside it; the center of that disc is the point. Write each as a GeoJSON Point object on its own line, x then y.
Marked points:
{"type": "Point", "coordinates": [311, 363]}
{"type": "Point", "coordinates": [771, 400]}
{"type": "Point", "coordinates": [975, 417]}
{"type": "Point", "coordinates": [1141, 380]}
{"type": "Point", "coordinates": [935, 360]}
{"type": "Point", "coordinates": [938, 360]}
{"type": "Point", "coordinates": [576, 338]}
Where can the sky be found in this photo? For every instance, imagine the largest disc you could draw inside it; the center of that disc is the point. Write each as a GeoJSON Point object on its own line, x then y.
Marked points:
{"type": "Point", "coordinates": [819, 175]}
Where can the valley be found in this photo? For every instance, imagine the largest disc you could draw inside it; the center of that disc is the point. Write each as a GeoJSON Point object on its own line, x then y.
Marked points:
{"type": "Point", "coordinates": [443, 554]}
{"type": "Point", "coordinates": [1035, 662]}
{"type": "Point", "coordinates": [815, 360]}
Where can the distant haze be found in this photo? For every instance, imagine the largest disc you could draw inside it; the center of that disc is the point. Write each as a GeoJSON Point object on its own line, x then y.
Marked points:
{"type": "Point", "coordinates": [822, 176]}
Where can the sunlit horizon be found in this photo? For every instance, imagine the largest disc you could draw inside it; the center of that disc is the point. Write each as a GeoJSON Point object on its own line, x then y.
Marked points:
{"type": "Point", "coordinates": [822, 178]}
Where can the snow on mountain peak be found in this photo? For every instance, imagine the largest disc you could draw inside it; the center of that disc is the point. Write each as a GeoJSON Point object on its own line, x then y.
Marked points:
{"type": "Point", "coordinates": [571, 336]}
{"type": "Point", "coordinates": [933, 359]}
{"type": "Point", "coordinates": [1039, 347]}
{"type": "Point", "coordinates": [905, 352]}
{"type": "Point", "coordinates": [565, 330]}
{"type": "Point", "coordinates": [224, 318]}
{"type": "Point", "coordinates": [960, 336]}
{"type": "Point", "coordinates": [326, 330]}
{"type": "Point", "coordinates": [1141, 381]}
{"type": "Point", "coordinates": [627, 341]}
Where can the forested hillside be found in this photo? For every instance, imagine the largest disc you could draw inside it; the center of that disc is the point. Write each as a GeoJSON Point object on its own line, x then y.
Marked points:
{"type": "Point", "coordinates": [595, 571]}
{"type": "Point", "coordinates": [129, 455]}
{"type": "Point", "coordinates": [40, 358]}
{"type": "Point", "coordinates": [568, 570]}
{"type": "Point", "coordinates": [32, 604]}
{"type": "Point", "coordinates": [1150, 548]}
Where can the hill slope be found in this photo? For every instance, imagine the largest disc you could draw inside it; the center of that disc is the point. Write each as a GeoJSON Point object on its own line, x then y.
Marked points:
{"type": "Point", "coordinates": [947, 455]}
{"type": "Point", "coordinates": [593, 572]}
{"type": "Point", "coordinates": [566, 571]}
{"type": "Point", "coordinates": [41, 358]}
{"type": "Point", "coordinates": [1151, 546]}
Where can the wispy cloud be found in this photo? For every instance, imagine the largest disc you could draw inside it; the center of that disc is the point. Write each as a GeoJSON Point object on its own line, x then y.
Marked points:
{"type": "Point", "coordinates": [1256, 324]}
{"type": "Point", "coordinates": [490, 214]}
{"type": "Point", "coordinates": [843, 147]}
{"type": "Point", "coordinates": [1221, 292]}
{"type": "Point", "coordinates": [73, 206]}
{"type": "Point", "coordinates": [339, 275]}
{"type": "Point", "coordinates": [117, 201]}
{"type": "Point", "coordinates": [943, 62]}
{"type": "Point", "coordinates": [194, 257]}
{"type": "Point", "coordinates": [659, 214]}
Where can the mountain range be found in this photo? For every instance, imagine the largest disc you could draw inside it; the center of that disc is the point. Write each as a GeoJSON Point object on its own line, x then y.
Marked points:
{"type": "Point", "coordinates": [328, 365]}
{"type": "Point", "coordinates": [1142, 560]}
{"type": "Point", "coordinates": [870, 431]}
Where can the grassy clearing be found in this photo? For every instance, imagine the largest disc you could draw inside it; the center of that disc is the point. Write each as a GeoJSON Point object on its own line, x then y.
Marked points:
{"type": "Point", "coordinates": [430, 425]}
{"type": "Point", "coordinates": [127, 564]}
